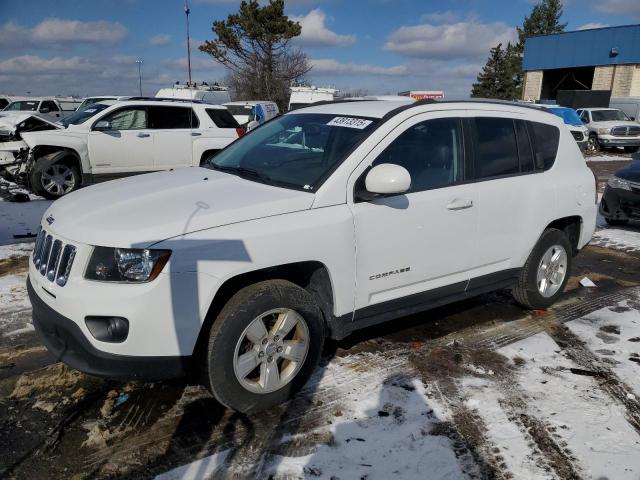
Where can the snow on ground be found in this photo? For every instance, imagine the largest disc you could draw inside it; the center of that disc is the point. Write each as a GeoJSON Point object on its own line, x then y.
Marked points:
{"type": "Point", "coordinates": [607, 157]}
{"type": "Point", "coordinates": [203, 468]}
{"type": "Point", "coordinates": [613, 333]}
{"type": "Point", "coordinates": [626, 239]}
{"type": "Point", "coordinates": [20, 218]}
{"type": "Point", "coordinates": [14, 304]}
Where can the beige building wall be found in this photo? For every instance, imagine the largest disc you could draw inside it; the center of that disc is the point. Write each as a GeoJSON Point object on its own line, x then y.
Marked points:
{"type": "Point", "coordinates": [622, 80]}
{"type": "Point", "coordinates": [603, 78]}
{"type": "Point", "coordinates": [635, 82]}
{"type": "Point", "coordinates": [532, 85]}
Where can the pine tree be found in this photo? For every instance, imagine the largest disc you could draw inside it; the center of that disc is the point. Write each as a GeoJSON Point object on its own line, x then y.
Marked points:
{"type": "Point", "coordinates": [502, 76]}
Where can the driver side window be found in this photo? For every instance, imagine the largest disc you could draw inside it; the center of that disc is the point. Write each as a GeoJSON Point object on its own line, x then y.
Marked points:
{"type": "Point", "coordinates": [128, 119]}
{"type": "Point", "coordinates": [431, 151]}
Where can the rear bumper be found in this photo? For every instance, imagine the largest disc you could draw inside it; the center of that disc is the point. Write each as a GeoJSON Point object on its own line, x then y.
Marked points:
{"type": "Point", "coordinates": [619, 204]}
{"type": "Point", "coordinates": [64, 339]}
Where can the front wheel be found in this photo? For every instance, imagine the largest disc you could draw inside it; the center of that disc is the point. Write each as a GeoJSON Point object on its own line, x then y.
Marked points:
{"type": "Point", "coordinates": [592, 143]}
{"type": "Point", "coordinates": [54, 180]}
{"type": "Point", "coordinates": [263, 346]}
{"type": "Point", "coordinates": [546, 272]}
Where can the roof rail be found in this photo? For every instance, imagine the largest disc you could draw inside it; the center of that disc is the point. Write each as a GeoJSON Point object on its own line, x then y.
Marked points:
{"type": "Point", "coordinates": [163, 99]}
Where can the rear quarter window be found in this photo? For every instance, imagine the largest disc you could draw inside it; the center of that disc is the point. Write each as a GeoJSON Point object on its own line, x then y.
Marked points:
{"type": "Point", "coordinates": [222, 118]}
{"type": "Point", "coordinates": [545, 140]}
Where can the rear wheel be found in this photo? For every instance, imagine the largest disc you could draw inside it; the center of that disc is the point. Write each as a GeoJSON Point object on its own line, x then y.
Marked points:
{"type": "Point", "coordinates": [263, 346]}
{"type": "Point", "coordinates": [54, 180]}
{"type": "Point", "coordinates": [546, 272]}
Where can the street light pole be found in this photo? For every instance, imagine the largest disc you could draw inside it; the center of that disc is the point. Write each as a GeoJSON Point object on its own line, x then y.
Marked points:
{"type": "Point", "coordinates": [186, 12]}
{"type": "Point", "coordinates": [139, 62]}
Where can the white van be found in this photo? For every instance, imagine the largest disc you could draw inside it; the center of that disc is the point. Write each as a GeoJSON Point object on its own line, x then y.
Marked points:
{"type": "Point", "coordinates": [629, 105]}
{"type": "Point", "coordinates": [213, 94]}
{"type": "Point", "coordinates": [251, 113]}
{"type": "Point", "coordinates": [303, 96]}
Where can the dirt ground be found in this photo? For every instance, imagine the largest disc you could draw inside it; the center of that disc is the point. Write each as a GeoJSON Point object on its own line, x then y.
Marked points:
{"type": "Point", "coordinates": [56, 423]}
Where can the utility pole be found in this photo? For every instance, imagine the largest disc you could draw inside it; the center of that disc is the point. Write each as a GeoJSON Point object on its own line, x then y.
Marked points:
{"type": "Point", "coordinates": [186, 12]}
{"type": "Point", "coordinates": [139, 62]}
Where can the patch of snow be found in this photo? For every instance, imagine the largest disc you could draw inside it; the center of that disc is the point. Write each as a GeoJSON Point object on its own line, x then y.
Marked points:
{"type": "Point", "coordinates": [618, 239]}
{"type": "Point", "coordinates": [199, 470]}
{"type": "Point", "coordinates": [606, 158]}
{"type": "Point", "coordinates": [576, 411]}
{"type": "Point", "coordinates": [19, 218]}
{"type": "Point", "coordinates": [616, 350]}
{"type": "Point", "coordinates": [15, 250]}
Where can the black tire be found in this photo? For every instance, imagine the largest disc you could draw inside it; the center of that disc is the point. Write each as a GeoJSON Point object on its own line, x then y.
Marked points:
{"type": "Point", "coordinates": [616, 221]}
{"type": "Point", "coordinates": [592, 143]}
{"type": "Point", "coordinates": [630, 149]}
{"type": "Point", "coordinates": [526, 291]}
{"type": "Point", "coordinates": [44, 164]}
{"type": "Point", "coordinates": [245, 306]}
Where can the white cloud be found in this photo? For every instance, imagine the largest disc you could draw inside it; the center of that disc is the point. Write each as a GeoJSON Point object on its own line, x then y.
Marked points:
{"type": "Point", "coordinates": [619, 7]}
{"type": "Point", "coordinates": [33, 64]}
{"type": "Point", "coordinates": [316, 33]}
{"type": "Point", "coordinates": [588, 26]}
{"type": "Point", "coordinates": [55, 31]}
{"type": "Point", "coordinates": [160, 40]}
{"type": "Point", "coordinates": [331, 66]}
{"type": "Point", "coordinates": [449, 41]}
{"type": "Point", "coordinates": [448, 16]}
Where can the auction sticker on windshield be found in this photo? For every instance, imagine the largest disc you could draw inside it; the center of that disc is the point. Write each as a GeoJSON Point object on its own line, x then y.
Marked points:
{"type": "Point", "coordinates": [359, 123]}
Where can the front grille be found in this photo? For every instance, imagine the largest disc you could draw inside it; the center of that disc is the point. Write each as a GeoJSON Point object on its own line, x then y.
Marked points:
{"type": "Point", "coordinates": [578, 136]}
{"type": "Point", "coordinates": [52, 258]}
{"type": "Point", "coordinates": [626, 131]}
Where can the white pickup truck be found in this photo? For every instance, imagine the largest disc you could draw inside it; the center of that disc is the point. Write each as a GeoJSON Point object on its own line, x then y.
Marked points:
{"type": "Point", "coordinates": [50, 108]}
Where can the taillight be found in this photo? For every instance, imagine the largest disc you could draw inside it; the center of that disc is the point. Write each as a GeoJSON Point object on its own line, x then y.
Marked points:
{"type": "Point", "coordinates": [240, 131]}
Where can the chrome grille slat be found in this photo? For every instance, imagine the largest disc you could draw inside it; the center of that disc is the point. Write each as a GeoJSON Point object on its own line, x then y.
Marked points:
{"type": "Point", "coordinates": [68, 254]}
{"type": "Point", "coordinates": [44, 257]}
{"type": "Point", "coordinates": [52, 258]}
{"type": "Point", "coordinates": [630, 131]}
{"type": "Point", "coordinates": [52, 265]}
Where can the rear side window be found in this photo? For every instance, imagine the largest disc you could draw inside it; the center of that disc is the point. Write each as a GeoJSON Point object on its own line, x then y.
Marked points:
{"type": "Point", "coordinates": [172, 118]}
{"type": "Point", "coordinates": [222, 118]}
{"type": "Point", "coordinates": [3, 103]}
{"type": "Point", "coordinates": [545, 144]}
{"type": "Point", "coordinates": [496, 151]}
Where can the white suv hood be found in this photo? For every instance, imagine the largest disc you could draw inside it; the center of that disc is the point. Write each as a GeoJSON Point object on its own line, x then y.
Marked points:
{"type": "Point", "coordinates": [139, 211]}
{"type": "Point", "coordinates": [614, 123]}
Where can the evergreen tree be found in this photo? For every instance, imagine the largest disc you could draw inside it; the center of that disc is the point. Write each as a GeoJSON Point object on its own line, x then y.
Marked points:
{"type": "Point", "coordinates": [502, 76]}
{"type": "Point", "coordinates": [254, 44]}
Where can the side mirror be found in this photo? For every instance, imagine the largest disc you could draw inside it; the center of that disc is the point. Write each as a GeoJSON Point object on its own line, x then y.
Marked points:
{"type": "Point", "coordinates": [102, 125]}
{"type": "Point", "coordinates": [252, 124]}
{"type": "Point", "coordinates": [387, 179]}
{"type": "Point", "coordinates": [633, 119]}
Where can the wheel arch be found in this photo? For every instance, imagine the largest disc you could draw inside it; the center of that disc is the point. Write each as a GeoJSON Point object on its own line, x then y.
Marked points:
{"type": "Point", "coordinates": [311, 275]}
{"type": "Point", "coordinates": [43, 150]}
{"type": "Point", "coordinates": [572, 227]}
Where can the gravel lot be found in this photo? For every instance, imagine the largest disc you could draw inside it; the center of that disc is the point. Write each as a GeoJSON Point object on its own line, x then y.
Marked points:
{"type": "Point", "coordinates": [478, 389]}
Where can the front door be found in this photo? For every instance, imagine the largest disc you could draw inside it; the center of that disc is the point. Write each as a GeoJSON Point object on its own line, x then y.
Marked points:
{"type": "Point", "coordinates": [419, 244]}
{"type": "Point", "coordinates": [125, 148]}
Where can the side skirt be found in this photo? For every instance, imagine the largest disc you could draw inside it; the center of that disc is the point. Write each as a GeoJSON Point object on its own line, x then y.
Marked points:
{"type": "Point", "coordinates": [419, 302]}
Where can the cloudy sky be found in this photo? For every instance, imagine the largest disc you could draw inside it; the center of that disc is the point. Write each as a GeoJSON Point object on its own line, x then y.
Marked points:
{"type": "Point", "coordinates": [87, 47]}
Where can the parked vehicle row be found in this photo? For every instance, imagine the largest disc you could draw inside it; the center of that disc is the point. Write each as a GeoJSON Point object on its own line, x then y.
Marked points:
{"type": "Point", "coordinates": [323, 221]}
{"type": "Point", "coordinates": [52, 108]}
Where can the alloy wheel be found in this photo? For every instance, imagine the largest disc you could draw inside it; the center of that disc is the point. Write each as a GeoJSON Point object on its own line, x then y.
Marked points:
{"type": "Point", "coordinates": [271, 350]}
{"type": "Point", "coordinates": [552, 271]}
{"type": "Point", "coordinates": [58, 179]}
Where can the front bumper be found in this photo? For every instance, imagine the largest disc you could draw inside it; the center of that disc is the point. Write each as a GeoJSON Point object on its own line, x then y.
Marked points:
{"type": "Point", "coordinates": [66, 341]}
{"type": "Point", "coordinates": [618, 204]}
{"type": "Point", "coordinates": [611, 141]}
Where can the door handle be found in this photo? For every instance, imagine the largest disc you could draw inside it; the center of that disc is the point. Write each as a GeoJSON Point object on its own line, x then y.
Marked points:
{"type": "Point", "coordinates": [195, 134]}
{"type": "Point", "coordinates": [460, 204]}
{"type": "Point", "coordinates": [143, 135]}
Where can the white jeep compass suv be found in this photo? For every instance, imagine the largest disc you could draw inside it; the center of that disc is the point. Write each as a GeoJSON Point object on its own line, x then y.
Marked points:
{"type": "Point", "coordinates": [117, 139]}
{"type": "Point", "coordinates": [320, 222]}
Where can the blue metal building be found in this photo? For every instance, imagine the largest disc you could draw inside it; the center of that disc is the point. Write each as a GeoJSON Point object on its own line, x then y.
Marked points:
{"type": "Point", "coordinates": [597, 59]}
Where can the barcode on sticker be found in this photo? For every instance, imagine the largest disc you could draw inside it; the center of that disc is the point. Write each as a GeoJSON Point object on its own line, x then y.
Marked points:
{"type": "Point", "coordinates": [350, 122]}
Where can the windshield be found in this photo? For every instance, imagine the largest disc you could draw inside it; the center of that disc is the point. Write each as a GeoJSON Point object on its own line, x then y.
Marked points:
{"type": "Point", "coordinates": [608, 115]}
{"type": "Point", "coordinates": [295, 106]}
{"type": "Point", "coordinates": [23, 105]}
{"type": "Point", "coordinates": [569, 115]}
{"type": "Point", "coordinates": [81, 115]}
{"type": "Point", "coordinates": [241, 110]}
{"type": "Point", "coordinates": [294, 151]}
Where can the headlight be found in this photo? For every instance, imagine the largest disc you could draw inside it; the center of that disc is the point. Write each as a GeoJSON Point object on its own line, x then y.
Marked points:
{"type": "Point", "coordinates": [126, 264]}
{"type": "Point", "coordinates": [617, 182]}
{"type": "Point", "coordinates": [603, 131]}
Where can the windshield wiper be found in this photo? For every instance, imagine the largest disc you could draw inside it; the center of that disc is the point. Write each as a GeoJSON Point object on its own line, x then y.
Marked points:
{"type": "Point", "coordinates": [242, 171]}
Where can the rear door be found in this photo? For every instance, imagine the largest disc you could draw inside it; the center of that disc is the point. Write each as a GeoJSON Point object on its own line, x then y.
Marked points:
{"type": "Point", "coordinates": [127, 147]}
{"type": "Point", "coordinates": [173, 128]}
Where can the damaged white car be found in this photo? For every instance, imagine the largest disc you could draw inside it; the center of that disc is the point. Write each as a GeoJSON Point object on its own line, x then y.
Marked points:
{"type": "Point", "coordinates": [12, 146]}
